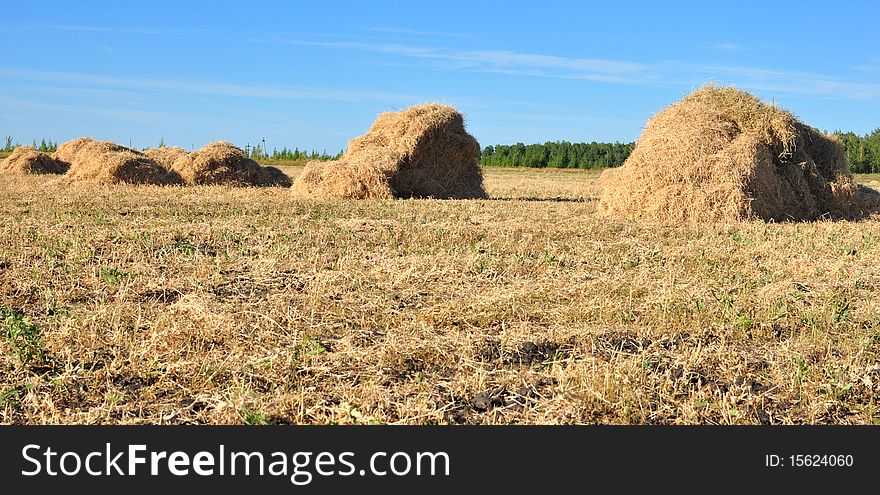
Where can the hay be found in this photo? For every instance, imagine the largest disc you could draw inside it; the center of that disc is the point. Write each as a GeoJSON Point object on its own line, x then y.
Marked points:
{"type": "Point", "coordinates": [110, 163]}
{"type": "Point", "coordinates": [223, 163]}
{"type": "Point", "coordinates": [68, 151]}
{"type": "Point", "coordinates": [165, 155]}
{"type": "Point", "coordinates": [27, 160]}
{"type": "Point", "coordinates": [421, 152]}
{"type": "Point", "coordinates": [721, 154]}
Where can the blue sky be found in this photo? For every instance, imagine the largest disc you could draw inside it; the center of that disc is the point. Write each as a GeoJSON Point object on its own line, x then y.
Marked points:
{"type": "Point", "coordinates": [315, 74]}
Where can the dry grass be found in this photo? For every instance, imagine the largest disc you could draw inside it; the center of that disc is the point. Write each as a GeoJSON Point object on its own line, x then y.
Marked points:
{"type": "Point", "coordinates": [226, 305]}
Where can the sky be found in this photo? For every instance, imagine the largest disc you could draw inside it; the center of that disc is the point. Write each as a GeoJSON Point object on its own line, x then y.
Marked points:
{"type": "Point", "coordinates": [315, 74]}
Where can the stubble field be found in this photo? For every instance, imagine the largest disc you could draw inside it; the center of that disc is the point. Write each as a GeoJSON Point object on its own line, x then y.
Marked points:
{"type": "Point", "coordinates": [133, 304]}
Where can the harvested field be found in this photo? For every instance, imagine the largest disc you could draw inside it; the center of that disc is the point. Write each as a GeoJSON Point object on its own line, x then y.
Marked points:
{"type": "Point", "coordinates": [210, 304]}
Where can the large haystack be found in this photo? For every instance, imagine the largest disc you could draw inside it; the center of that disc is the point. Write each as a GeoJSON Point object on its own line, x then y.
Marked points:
{"type": "Point", "coordinates": [721, 154]}
{"type": "Point", "coordinates": [28, 160]}
{"type": "Point", "coordinates": [223, 163]}
{"type": "Point", "coordinates": [423, 152]}
{"type": "Point", "coordinates": [165, 155]}
{"type": "Point", "coordinates": [110, 163]}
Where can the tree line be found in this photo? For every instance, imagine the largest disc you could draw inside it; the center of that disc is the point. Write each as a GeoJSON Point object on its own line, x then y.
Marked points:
{"type": "Point", "coordinates": [255, 152]}
{"type": "Point", "coordinates": [259, 153]}
{"type": "Point", "coordinates": [863, 152]}
{"type": "Point", "coordinates": [557, 154]}
{"type": "Point", "coordinates": [45, 145]}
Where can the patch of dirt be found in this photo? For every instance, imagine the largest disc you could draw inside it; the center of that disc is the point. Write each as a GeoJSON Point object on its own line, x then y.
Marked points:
{"type": "Point", "coordinates": [160, 295]}
{"type": "Point", "coordinates": [365, 224]}
{"type": "Point", "coordinates": [525, 354]}
{"type": "Point", "coordinates": [132, 383]}
{"type": "Point", "coordinates": [244, 286]}
{"type": "Point", "coordinates": [616, 342]}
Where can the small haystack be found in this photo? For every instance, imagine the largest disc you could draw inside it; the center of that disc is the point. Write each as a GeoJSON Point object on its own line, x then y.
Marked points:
{"type": "Point", "coordinates": [421, 152]}
{"type": "Point", "coordinates": [165, 155]}
{"type": "Point", "coordinates": [223, 163]}
{"type": "Point", "coordinates": [28, 160]}
{"type": "Point", "coordinates": [110, 163]}
{"type": "Point", "coordinates": [721, 154]}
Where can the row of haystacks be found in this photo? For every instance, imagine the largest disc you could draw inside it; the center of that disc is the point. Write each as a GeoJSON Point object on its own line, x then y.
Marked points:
{"type": "Point", "coordinates": [421, 152]}
{"type": "Point", "coordinates": [721, 154]}
{"type": "Point", "coordinates": [85, 159]}
{"type": "Point", "coordinates": [111, 163]}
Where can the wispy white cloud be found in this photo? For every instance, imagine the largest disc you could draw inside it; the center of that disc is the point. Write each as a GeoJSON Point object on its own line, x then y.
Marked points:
{"type": "Point", "coordinates": [501, 59]}
{"type": "Point", "coordinates": [498, 61]}
{"type": "Point", "coordinates": [132, 115]}
{"type": "Point", "coordinates": [210, 88]}
{"type": "Point", "coordinates": [796, 82]}
{"type": "Point", "coordinates": [872, 66]}
{"type": "Point", "coordinates": [244, 36]}
{"type": "Point", "coordinates": [130, 92]}
{"type": "Point", "coordinates": [80, 28]}
{"type": "Point", "coordinates": [415, 32]}
{"type": "Point", "coordinates": [723, 47]}
{"type": "Point", "coordinates": [621, 71]}
{"type": "Point", "coordinates": [27, 87]}
{"type": "Point", "coordinates": [103, 29]}
{"type": "Point", "coordinates": [853, 85]}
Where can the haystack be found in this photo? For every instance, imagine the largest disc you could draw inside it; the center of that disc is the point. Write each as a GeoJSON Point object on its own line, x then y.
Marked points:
{"type": "Point", "coordinates": [721, 154]}
{"type": "Point", "coordinates": [422, 152]}
{"type": "Point", "coordinates": [165, 155]}
{"type": "Point", "coordinates": [68, 151]}
{"type": "Point", "coordinates": [110, 163]}
{"type": "Point", "coordinates": [223, 163]}
{"type": "Point", "coordinates": [28, 160]}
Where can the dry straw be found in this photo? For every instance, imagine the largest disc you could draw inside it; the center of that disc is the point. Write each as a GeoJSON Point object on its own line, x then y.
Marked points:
{"type": "Point", "coordinates": [165, 155]}
{"type": "Point", "coordinates": [721, 154]}
{"type": "Point", "coordinates": [68, 151]}
{"type": "Point", "coordinates": [423, 151]}
{"type": "Point", "coordinates": [28, 160]}
{"type": "Point", "coordinates": [110, 163]}
{"type": "Point", "coordinates": [223, 163]}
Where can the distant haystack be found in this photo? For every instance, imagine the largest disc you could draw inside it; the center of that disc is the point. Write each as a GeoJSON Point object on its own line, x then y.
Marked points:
{"type": "Point", "coordinates": [223, 163]}
{"type": "Point", "coordinates": [721, 154]}
{"type": "Point", "coordinates": [422, 152]}
{"type": "Point", "coordinates": [28, 160]}
{"type": "Point", "coordinates": [165, 155]}
{"type": "Point", "coordinates": [110, 163]}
